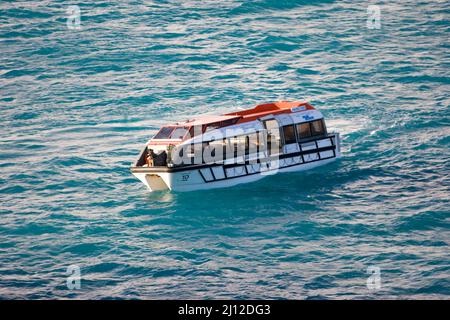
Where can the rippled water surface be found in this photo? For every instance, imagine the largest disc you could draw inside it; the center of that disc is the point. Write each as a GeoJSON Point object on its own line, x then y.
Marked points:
{"type": "Point", "coordinates": [78, 105]}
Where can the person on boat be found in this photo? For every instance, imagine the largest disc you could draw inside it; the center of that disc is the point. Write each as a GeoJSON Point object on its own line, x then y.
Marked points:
{"type": "Point", "coordinates": [153, 159]}
{"type": "Point", "coordinates": [150, 156]}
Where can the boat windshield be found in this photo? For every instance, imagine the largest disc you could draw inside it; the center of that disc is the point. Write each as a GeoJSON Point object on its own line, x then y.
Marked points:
{"type": "Point", "coordinates": [171, 133]}
{"type": "Point", "coordinates": [164, 133]}
{"type": "Point", "coordinates": [179, 133]}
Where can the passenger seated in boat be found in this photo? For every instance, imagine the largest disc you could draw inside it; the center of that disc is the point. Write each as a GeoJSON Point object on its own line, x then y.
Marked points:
{"type": "Point", "coordinates": [160, 159]}
{"type": "Point", "coordinates": [150, 156]}
{"type": "Point", "coordinates": [156, 160]}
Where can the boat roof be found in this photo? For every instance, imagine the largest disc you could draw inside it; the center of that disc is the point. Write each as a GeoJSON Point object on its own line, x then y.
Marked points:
{"type": "Point", "coordinates": [259, 111]}
{"type": "Point", "coordinates": [279, 107]}
{"type": "Point", "coordinates": [206, 120]}
{"type": "Point", "coordinates": [287, 112]}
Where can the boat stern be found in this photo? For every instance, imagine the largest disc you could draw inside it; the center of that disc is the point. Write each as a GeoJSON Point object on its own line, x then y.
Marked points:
{"type": "Point", "coordinates": [152, 179]}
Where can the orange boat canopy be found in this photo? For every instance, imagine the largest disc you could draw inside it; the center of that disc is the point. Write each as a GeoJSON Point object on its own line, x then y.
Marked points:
{"type": "Point", "coordinates": [270, 108]}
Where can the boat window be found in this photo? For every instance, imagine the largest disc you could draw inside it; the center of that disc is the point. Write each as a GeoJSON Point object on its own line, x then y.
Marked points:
{"type": "Point", "coordinates": [240, 145]}
{"type": "Point", "coordinates": [235, 146]}
{"type": "Point", "coordinates": [179, 133]}
{"type": "Point", "coordinates": [303, 130]}
{"type": "Point", "coordinates": [227, 149]}
{"type": "Point", "coordinates": [229, 122]}
{"type": "Point", "coordinates": [273, 142]}
{"type": "Point", "coordinates": [317, 128]}
{"type": "Point", "coordinates": [216, 150]}
{"type": "Point", "coordinates": [230, 148]}
{"type": "Point", "coordinates": [273, 136]}
{"type": "Point", "coordinates": [247, 145]}
{"type": "Point", "coordinates": [205, 147]}
{"type": "Point", "coordinates": [212, 126]}
{"type": "Point", "coordinates": [289, 134]}
{"type": "Point", "coordinates": [260, 141]}
{"type": "Point", "coordinates": [271, 124]}
{"type": "Point", "coordinates": [164, 133]}
{"type": "Point", "coordinates": [191, 150]}
{"type": "Point", "coordinates": [194, 131]}
{"type": "Point", "coordinates": [251, 144]}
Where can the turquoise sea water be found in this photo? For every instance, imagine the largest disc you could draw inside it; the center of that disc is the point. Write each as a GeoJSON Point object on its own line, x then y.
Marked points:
{"type": "Point", "coordinates": [77, 105]}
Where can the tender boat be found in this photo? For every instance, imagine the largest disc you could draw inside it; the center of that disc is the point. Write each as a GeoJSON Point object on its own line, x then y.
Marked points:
{"type": "Point", "coordinates": [225, 150]}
